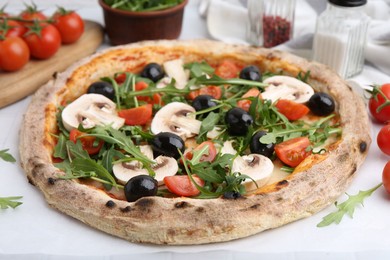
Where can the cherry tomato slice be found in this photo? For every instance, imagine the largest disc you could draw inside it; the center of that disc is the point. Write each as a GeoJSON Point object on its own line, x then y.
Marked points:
{"type": "Point", "coordinates": [292, 110]}
{"type": "Point", "coordinates": [377, 100]}
{"type": "Point", "coordinates": [87, 142]}
{"type": "Point", "coordinates": [383, 139]}
{"type": "Point", "coordinates": [212, 153]}
{"type": "Point", "coordinates": [227, 70]}
{"type": "Point", "coordinates": [182, 185]}
{"type": "Point", "coordinates": [213, 91]}
{"type": "Point", "coordinates": [386, 177]}
{"type": "Point", "coordinates": [245, 104]}
{"type": "Point", "coordinates": [292, 152]}
{"type": "Point", "coordinates": [138, 115]}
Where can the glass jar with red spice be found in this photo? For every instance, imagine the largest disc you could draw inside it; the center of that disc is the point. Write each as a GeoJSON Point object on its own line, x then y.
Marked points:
{"type": "Point", "coordinates": [270, 22]}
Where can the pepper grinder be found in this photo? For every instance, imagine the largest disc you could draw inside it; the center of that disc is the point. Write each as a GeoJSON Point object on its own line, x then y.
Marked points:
{"type": "Point", "coordinates": [270, 22]}
{"type": "Point", "coordinates": [340, 36]}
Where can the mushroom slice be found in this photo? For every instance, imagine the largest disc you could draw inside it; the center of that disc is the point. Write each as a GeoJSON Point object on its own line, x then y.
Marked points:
{"type": "Point", "coordinates": [164, 166]}
{"type": "Point", "coordinates": [175, 70]}
{"type": "Point", "coordinates": [286, 87]}
{"type": "Point", "coordinates": [256, 166]}
{"type": "Point", "coordinates": [91, 110]}
{"type": "Point", "coordinates": [176, 118]}
{"type": "Point", "coordinates": [227, 148]}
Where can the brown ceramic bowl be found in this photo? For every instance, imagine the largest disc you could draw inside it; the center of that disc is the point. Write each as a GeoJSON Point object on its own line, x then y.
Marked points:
{"type": "Point", "coordinates": [125, 27]}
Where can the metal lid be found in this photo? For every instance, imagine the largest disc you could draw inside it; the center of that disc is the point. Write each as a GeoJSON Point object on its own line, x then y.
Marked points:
{"type": "Point", "coordinates": [349, 3]}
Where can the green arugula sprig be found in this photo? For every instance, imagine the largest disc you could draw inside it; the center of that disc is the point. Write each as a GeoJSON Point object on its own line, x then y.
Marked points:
{"type": "Point", "coordinates": [217, 176]}
{"type": "Point", "coordinates": [347, 207]}
{"type": "Point", "coordinates": [142, 5]}
{"type": "Point", "coordinates": [10, 202]}
{"type": "Point", "coordinates": [7, 156]}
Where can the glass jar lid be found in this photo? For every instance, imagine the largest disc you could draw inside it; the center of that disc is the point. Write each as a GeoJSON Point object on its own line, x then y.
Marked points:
{"type": "Point", "coordinates": [349, 3]}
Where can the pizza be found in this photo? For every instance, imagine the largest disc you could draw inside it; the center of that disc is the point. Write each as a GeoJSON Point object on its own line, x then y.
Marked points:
{"type": "Point", "coordinates": [193, 142]}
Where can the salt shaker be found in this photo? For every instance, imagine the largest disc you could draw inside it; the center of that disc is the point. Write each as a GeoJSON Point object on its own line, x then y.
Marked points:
{"type": "Point", "coordinates": [340, 36]}
{"type": "Point", "coordinates": [270, 22]}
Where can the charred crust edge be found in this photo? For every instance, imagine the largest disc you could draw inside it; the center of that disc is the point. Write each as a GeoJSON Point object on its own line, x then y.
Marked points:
{"type": "Point", "coordinates": [110, 204]}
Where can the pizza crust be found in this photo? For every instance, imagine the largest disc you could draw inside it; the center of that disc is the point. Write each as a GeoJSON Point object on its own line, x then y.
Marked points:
{"type": "Point", "coordinates": [315, 184]}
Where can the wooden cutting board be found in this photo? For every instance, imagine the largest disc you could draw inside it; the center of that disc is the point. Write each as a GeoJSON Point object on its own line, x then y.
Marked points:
{"type": "Point", "coordinates": [17, 85]}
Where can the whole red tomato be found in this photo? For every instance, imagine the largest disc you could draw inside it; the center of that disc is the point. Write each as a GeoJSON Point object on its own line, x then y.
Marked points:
{"type": "Point", "coordinates": [379, 103]}
{"type": "Point", "coordinates": [12, 28]}
{"type": "Point", "coordinates": [44, 40]}
{"type": "Point", "coordinates": [383, 139]}
{"type": "Point", "coordinates": [14, 54]}
{"type": "Point", "coordinates": [386, 177]}
{"type": "Point", "coordinates": [69, 24]}
{"type": "Point", "coordinates": [31, 13]}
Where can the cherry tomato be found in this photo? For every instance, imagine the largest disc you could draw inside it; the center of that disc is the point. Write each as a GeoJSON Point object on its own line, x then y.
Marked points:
{"type": "Point", "coordinates": [245, 103]}
{"type": "Point", "coordinates": [138, 115]}
{"type": "Point", "coordinates": [292, 110]}
{"type": "Point", "coordinates": [45, 43]}
{"type": "Point", "coordinates": [13, 28]}
{"type": "Point", "coordinates": [213, 91]}
{"type": "Point", "coordinates": [182, 185]}
{"type": "Point", "coordinates": [14, 54]}
{"type": "Point", "coordinates": [88, 142]}
{"type": "Point", "coordinates": [212, 153]}
{"type": "Point", "coordinates": [154, 100]}
{"type": "Point", "coordinates": [386, 177]}
{"type": "Point", "coordinates": [383, 139]}
{"type": "Point", "coordinates": [69, 24]}
{"type": "Point", "coordinates": [227, 70]}
{"type": "Point", "coordinates": [377, 99]}
{"type": "Point", "coordinates": [31, 13]}
{"type": "Point", "coordinates": [292, 152]}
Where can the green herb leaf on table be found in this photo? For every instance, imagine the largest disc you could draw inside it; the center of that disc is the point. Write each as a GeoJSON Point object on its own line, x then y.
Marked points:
{"type": "Point", "coordinates": [7, 156]}
{"type": "Point", "coordinates": [347, 207]}
{"type": "Point", "coordinates": [10, 202]}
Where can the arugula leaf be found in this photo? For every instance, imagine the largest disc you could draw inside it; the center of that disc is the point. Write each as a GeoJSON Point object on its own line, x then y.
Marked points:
{"type": "Point", "coordinates": [60, 150]}
{"type": "Point", "coordinates": [7, 156]}
{"type": "Point", "coordinates": [347, 207]}
{"type": "Point", "coordinates": [142, 5]}
{"type": "Point", "coordinates": [197, 154]}
{"type": "Point", "coordinates": [10, 202]}
{"type": "Point", "coordinates": [109, 157]}
{"type": "Point", "coordinates": [88, 165]}
{"type": "Point", "coordinates": [113, 136]}
{"type": "Point", "coordinates": [199, 69]}
{"type": "Point", "coordinates": [215, 80]}
{"type": "Point", "coordinates": [76, 150]}
{"type": "Point", "coordinates": [207, 125]}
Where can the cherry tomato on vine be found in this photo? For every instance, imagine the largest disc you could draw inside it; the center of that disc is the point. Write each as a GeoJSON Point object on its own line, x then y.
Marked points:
{"type": "Point", "coordinates": [44, 40]}
{"type": "Point", "coordinates": [386, 177]}
{"type": "Point", "coordinates": [14, 53]}
{"type": "Point", "coordinates": [12, 28]}
{"type": "Point", "coordinates": [87, 142]}
{"type": "Point", "coordinates": [379, 103]}
{"type": "Point", "coordinates": [383, 139]}
{"type": "Point", "coordinates": [31, 13]}
{"type": "Point", "coordinates": [69, 24]}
